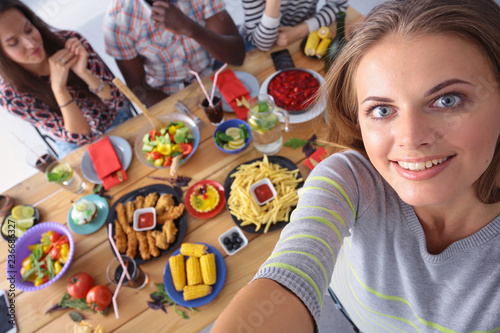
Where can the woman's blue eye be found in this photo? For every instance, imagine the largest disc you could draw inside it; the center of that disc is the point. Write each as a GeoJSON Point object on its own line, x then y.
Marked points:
{"type": "Point", "coordinates": [381, 111]}
{"type": "Point", "coordinates": [447, 101]}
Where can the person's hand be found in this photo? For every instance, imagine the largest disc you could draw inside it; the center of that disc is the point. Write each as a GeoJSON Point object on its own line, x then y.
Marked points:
{"type": "Point", "coordinates": [59, 65]}
{"type": "Point", "coordinates": [171, 18]}
{"type": "Point", "coordinates": [80, 53]}
{"type": "Point", "coordinates": [288, 35]}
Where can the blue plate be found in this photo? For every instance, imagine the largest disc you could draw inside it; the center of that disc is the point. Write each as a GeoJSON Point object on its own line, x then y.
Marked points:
{"type": "Point", "coordinates": [97, 223]}
{"type": "Point", "coordinates": [178, 298]}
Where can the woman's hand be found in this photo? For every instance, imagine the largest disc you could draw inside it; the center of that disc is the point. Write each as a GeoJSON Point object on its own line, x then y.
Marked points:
{"type": "Point", "coordinates": [80, 53]}
{"type": "Point", "coordinates": [288, 35]}
{"type": "Point", "coordinates": [60, 64]}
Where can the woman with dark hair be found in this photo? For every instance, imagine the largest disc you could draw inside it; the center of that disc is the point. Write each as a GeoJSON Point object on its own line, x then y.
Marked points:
{"type": "Point", "coordinates": [403, 222]}
{"type": "Point", "coordinates": [55, 80]}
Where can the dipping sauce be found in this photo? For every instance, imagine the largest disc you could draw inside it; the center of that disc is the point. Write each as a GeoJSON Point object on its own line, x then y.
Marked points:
{"type": "Point", "coordinates": [146, 220]}
{"type": "Point", "coordinates": [263, 192]}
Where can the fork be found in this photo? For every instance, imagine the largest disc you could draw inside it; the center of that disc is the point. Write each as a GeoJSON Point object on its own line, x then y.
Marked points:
{"type": "Point", "coordinates": [182, 108]}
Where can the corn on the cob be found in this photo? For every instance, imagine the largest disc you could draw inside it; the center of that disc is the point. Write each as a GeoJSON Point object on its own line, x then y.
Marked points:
{"type": "Point", "coordinates": [178, 272]}
{"type": "Point", "coordinates": [322, 47]}
{"type": "Point", "coordinates": [311, 43]}
{"type": "Point", "coordinates": [198, 291]}
{"type": "Point", "coordinates": [324, 32]}
{"type": "Point", "coordinates": [193, 271]}
{"type": "Point", "coordinates": [193, 250]}
{"type": "Point", "coordinates": [208, 269]}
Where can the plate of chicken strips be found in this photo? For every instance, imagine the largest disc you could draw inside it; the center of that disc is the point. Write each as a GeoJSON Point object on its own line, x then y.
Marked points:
{"type": "Point", "coordinates": [171, 222]}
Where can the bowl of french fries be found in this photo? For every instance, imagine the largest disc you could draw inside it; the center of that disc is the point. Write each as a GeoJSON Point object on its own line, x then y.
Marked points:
{"type": "Point", "coordinates": [245, 211]}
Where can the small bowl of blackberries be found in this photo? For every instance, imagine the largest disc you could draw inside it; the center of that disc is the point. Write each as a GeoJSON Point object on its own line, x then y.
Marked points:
{"type": "Point", "coordinates": [233, 240]}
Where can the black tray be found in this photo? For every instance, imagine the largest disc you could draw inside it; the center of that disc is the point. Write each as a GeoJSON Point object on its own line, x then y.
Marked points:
{"type": "Point", "coordinates": [284, 162]}
{"type": "Point", "coordinates": [180, 223]}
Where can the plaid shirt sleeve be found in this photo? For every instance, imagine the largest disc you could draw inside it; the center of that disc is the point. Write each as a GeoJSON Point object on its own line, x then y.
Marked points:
{"type": "Point", "coordinates": [212, 7]}
{"type": "Point", "coordinates": [118, 31]}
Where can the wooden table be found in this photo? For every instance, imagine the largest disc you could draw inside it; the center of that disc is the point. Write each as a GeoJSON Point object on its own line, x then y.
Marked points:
{"type": "Point", "coordinates": [93, 252]}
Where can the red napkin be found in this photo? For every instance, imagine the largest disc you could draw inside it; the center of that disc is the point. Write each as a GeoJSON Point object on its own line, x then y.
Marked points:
{"type": "Point", "coordinates": [232, 88]}
{"type": "Point", "coordinates": [319, 155]}
{"type": "Point", "coordinates": [106, 163]}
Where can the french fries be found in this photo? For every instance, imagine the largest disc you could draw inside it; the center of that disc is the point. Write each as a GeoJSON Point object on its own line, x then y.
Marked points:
{"type": "Point", "coordinates": [244, 208]}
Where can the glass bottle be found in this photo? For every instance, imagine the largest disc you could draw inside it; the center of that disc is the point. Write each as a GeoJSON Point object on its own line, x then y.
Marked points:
{"type": "Point", "coordinates": [337, 43]}
{"type": "Point", "coordinates": [264, 121]}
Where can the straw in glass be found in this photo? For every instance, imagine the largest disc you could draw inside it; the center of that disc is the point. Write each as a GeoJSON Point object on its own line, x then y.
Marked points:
{"type": "Point", "coordinates": [202, 87]}
{"type": "Point", "coordinates": [115, 295]}
{"type": "Point", "coordinates": [212, 93]}
{"type": "Point", "coordinates": [119, 256]}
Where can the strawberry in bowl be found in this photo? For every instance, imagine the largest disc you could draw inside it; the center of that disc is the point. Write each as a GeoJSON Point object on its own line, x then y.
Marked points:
{"type": "Point", "coordinates": [293, 90]}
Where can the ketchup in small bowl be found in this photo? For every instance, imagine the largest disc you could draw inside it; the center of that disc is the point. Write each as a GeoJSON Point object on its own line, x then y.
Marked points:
{"type": "Point", "coordinates": [144, 219]}
{"type": "Point", "coordinates": [263, 191]}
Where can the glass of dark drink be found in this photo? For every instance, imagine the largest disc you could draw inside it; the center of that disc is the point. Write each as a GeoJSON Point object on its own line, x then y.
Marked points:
{"type": "Point", "coordinates": [42, 160]}
{"type": "Point", "coordinates": [214, 114]}
{"type": "Point", "coordinates": [138, 279]}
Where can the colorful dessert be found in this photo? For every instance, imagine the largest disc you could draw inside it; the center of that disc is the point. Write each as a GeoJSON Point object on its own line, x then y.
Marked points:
{"type": "Point", "coordinates": [84, 211]}
{"type": "Point", "coordinates": [204, 198]}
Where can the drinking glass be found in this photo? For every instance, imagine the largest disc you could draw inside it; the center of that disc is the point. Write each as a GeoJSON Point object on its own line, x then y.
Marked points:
{"type": "Point", "coordinates": [62, 173]}
{"type": "Point", "coordinates": [214, 114]}
{"type": "Point", "coordinates": [139, 279]}
{"type": "Point", "coordinates": [41, 160]}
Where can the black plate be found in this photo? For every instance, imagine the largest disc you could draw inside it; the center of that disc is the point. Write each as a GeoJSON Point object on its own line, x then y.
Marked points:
{"type": "Point", "coordinates": [284, 162]}
{"type": "Point", "coordinates": [37, 219]}
{"type": "Point", "coordinates": [180, 223]}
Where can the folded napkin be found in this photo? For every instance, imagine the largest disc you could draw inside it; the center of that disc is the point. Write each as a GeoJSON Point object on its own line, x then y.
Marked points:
{"type": "Point", "coordinates": [108, 166]}
{"type": "Point", "coordinates": [233, 90]}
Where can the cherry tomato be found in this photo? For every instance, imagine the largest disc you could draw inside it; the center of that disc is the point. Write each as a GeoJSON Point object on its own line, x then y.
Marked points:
{"type": "Point", "coordinates": [54, 236]}
{"type": "Point", "coordinates": [55, 252]}
{"type": "Point", "coordinates": [153, 134]}
{"type": "Point", "coordinates": [99, 298]}
{"type": "Point", "coordinates": [168, 161]}
{"type": "Point", "coordinates": [80, 284]}
{"type": "Point", "coordinates": [186, 148]}
{"type": "Point", "coordinates": [155, 155]}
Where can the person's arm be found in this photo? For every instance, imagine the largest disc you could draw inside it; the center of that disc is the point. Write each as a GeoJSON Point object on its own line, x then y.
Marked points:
{"type": "Point", "coordinates": [135, 77]}
{"type": "Point", "coordinates": [219, 36]}
{"type": "Point", "coordinates": [326, 15]}
{"type": "Point", "coordinates": [262, 19]}
{"type": "Point", "coordinates": [268, 305]}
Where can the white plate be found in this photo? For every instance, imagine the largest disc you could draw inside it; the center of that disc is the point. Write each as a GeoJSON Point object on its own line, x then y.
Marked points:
{"type": "Point", "coordinates": [123, 150]}
{"type": "Point", "coordinates": [317, 108]}
{"type": "Point", "coordinates": [249, 81]}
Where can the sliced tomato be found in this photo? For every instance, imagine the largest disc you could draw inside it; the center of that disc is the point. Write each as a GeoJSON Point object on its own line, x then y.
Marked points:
{"type": "Point", "coordinates": [168, 161]}
{"type": "Point", "coordinates": [186, 148]}
{"type": "Point", "coordinates": [99, 298]}
{"type": "Point", "coordinates": [80, 284]}
{"type": "Point", "coordinates": [153, 134]}
{"type": "Point", "coordinates": [155, 155]}
{"type": "Point", "coordinates": [54, 236]}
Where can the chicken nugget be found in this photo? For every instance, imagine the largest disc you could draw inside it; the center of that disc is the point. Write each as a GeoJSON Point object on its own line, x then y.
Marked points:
{"type": "Point", "coordinates": [132, 243]}
{"type": "Point", "coordinates": [150, 200]}
{"type": "Point", "coordinates": [130, 212]}
{"type": "Point", "coordinates": [153, 249]}
{"type": "Point", "coordinates": [172, 213]}
{"type": "Point", "coordinates": [139, 202]}
{"type": "Point", "coordinates": [143, 245]}
{"type": "Point", "coordinates": [164, 202]}
{"type": "Point", "coordinates": [170, 230]}
{"type": "Point", "coordinates": [122, 217]}
{"type": "Point", "coordinates": [160, 239]}
{"type": "Point", "coordinates": [120, 238]}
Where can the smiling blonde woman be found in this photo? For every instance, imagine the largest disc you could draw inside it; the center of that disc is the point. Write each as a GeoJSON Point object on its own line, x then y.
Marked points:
{"type": "Point", "coordinates": [404, 225]}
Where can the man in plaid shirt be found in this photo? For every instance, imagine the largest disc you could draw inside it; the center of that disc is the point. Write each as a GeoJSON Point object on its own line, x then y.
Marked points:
{"type": "Point", "coordinates": [156, 42]}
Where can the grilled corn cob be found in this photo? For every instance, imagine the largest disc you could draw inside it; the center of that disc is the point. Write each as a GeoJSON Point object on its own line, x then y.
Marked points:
{"type": "Point", "coordinates": [208, 269]}
{"type": "Point", "coordinates": [198, 291]}
{"type": "Point", "coordinates": [312, 43]}
{"type": "Point", "coordinates": [193, 271]}
{"type": "Point", "coordinates": [193, 250]}
{"type": "Point", "coordinates": [178, 272]}
{"type": "Point", "coordinates": [324, 32]}
{"type": "Point", "coordinates": [322, 47]}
